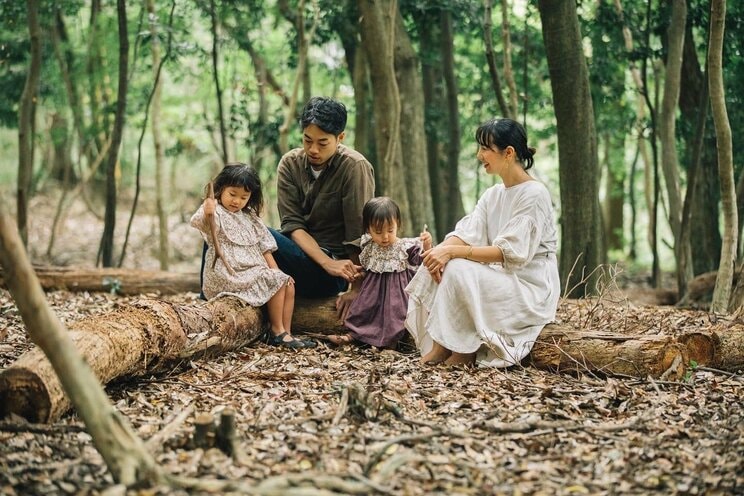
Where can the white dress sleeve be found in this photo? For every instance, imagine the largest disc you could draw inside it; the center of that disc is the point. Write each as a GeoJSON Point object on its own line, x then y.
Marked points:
{"type": "Point", "coordinates": [522, 234]}
{"type": "Point", "coordinates": [473, 228]}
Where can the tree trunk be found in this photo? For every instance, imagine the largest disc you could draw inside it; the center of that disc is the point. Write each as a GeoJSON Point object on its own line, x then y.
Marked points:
{"type": "Point", "coordinates": [300, 73]}
{"type": "Point", "coordinates": [491, 59]}
{"type": "Point", "coordinates": [703, 195]}
{"type": "Point", "coordinates": [582, 249]}
{"type": "Point", "coordinates": [217, 85]}
{"type": "Point", "coordinates": [614, 202]}
{"type": "Point", "coordinates": [25, 120]}
{"type": "Point", "coordinates": [144, 337]}
{"type": "Point", "coordinates": [569, 350]}
{"type": "Point", "coordinates": [721, 349]}
{"type": "Point", "coordinates": [412, 137]}
{"type": "Point", "coordinates": [119, 281]}
{"type": "Point", "coordinates": [63, 368]}
{"type": "Point", "coordinates": [107, 241]}
{"type": "Point", "coordinates": [163, 246]}
{"type": "Point", "coordinates": [668, 137]}
{"type": "Point", "coordinates": [455, 209]}
{"type": "Point", "coordinates": [511, 84]}
{"type": "Point", "coordinates": [378, 38]}
{"type": "Point", "coordinates": [434, 101]}
{"type": "Point", "coordinates": [722, 292]}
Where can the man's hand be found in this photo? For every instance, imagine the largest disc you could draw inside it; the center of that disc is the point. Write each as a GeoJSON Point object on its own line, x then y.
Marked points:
{"type": "Point", "coordinates": [343, 268]}
{"type": "Point", "coordinates": [344, 301]}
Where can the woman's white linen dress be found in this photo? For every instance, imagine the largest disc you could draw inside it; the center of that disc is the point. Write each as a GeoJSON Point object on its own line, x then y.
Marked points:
{"type": "Point", "coordinates": [244, 238]}
{"type": "Point", "coordinates": [496, 309]}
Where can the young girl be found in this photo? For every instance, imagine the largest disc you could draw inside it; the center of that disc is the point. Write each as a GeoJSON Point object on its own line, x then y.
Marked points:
{"type": "Point", "coordinates": [377, 314]}
{"type": "Point", "coordinates": [245, 267]}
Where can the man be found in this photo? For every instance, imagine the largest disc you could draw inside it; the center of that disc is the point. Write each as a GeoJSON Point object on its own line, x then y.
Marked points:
{"type": "Point", "coordinates": [321, 189]}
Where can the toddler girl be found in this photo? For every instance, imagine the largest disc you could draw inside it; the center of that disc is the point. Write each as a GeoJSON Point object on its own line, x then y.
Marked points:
{"type": "Point", "coordinates": [245, 267]}
{"type": "Point", "coordinates": [377, 314]}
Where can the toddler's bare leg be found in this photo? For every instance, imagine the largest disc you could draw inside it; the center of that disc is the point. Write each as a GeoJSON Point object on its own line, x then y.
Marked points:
{"type": "Point", "coordinates": [438, 354]}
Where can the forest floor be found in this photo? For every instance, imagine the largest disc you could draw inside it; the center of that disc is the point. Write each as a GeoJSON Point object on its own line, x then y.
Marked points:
{"type": "Point", "coordinates": [420, 430]}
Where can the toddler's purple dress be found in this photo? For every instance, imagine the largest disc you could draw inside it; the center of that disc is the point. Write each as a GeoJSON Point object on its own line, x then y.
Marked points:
{"type": "Point", "coordinates": [377, 315]}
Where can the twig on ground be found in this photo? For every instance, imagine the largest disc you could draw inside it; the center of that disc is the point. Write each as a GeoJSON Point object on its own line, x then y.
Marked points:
{"type": "Point", "coordinates": [155, 443]}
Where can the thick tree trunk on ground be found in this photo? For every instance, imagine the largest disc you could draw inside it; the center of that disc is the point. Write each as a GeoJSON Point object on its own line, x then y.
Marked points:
{"type": "Point", "coordinates": [119, 281]}
{"type": "Point", "coordinates": [146, 336]}
{"type": "Point", "coordinates": [150, 335]}
{"type": "Point", "coordinates": [570, 350]}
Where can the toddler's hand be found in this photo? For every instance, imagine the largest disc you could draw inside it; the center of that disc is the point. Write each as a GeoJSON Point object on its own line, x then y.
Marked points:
{"type": "Point", "coordinates": [210, 205]}
{"type": "Point", "coordinates": [426, 239]}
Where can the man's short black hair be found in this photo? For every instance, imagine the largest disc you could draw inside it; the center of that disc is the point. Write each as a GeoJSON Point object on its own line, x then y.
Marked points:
{"type": "Point", "coordinates": [326, 113]}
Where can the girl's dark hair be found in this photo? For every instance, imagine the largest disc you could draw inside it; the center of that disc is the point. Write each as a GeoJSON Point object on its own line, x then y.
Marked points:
{"type": "Point", "coordinates": [502, 133]}
{"type": "Point", "coordinates": [238, 174]}
{"type": "Point", "coordinates": [379, 210]}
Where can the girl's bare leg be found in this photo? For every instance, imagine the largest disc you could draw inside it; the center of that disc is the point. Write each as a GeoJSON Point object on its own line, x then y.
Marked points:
{"type": "Point", "coordinates": [438, 354]}
{"type": "Point", "coordinates": [460, 359]}
{"type": "Point", "coordinates": [288, 310]}
{"type": "Point", "coordinates": [275, 307]}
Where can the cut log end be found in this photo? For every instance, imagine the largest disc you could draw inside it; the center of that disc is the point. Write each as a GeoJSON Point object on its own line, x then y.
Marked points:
{"type": "Point", "coordinates": [701, 348]}
{"type": "Point", "coordinates": [23, 393]}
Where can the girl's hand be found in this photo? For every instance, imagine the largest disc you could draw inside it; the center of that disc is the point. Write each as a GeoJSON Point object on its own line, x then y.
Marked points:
{"type": "Point", "coordinates": [210, 205]}
{"type": "Point", "coordinates": [426, 239]}
{"type": "Point", "coordinates": [435, 259]}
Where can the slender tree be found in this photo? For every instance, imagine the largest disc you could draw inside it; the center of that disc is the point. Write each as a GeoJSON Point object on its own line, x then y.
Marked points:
{"type": "Point", "coordinates": [511, 84]}
{"type": "Point", "coordinates": [668, 137]}
{"type": "Point", "coordinates": [217, 84]}
{"type": "Point", "coordinates": [112, 158]}
{"type": "Point", "coordinates": [455, 208]}
{"type": "Point", "coordinates": [722, 291]}
{"type": "Point", "coordinates": [491, 58]}
{"type": "Point", "coordinates": [157, 140]}
{"type": "Point", "coordinates": [26, 114]}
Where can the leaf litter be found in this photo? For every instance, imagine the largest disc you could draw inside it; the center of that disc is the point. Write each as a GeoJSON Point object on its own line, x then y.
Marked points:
{"type": "Point", "coordinates": [378, 416]}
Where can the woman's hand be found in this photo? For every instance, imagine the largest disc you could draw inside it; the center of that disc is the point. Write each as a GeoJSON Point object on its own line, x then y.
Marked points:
{"type": "Point", "coordinates": [435, 260]}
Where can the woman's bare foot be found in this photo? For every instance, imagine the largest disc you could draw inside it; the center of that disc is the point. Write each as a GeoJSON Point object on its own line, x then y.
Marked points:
{"type": "Point", "coordinates": [461, 359]}
{"type": "Point", "coordinates": [340, 339]}
{"type": "Point", "coordinates": [438, 354]}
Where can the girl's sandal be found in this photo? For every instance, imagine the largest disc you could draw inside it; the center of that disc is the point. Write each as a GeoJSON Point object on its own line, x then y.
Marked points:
{"type": "Point", "coordinates": [294, 343]}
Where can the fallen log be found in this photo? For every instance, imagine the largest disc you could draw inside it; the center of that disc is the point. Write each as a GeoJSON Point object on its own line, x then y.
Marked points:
{"type": "Point", "coordinates": [119, 281]}
{"type": "Point", "coordinates": [559, 348]}
{"type": "Point", "coordinates": [143, 337]}
{"type": "Point", "coordinates": [563, 349]}
{"type": "Point", "coordinates": [149, 335]}
{"type": "Point", "coordinates": [720, 349]}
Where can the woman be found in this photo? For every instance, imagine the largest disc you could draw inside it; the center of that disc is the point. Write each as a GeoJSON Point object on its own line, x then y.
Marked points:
{"type": "Point", "coordinates": [484, 294]}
